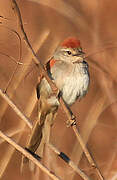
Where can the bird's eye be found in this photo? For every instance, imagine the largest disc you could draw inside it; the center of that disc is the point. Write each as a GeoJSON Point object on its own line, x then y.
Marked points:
{"type": "Point", "coordinates": [69, 52]}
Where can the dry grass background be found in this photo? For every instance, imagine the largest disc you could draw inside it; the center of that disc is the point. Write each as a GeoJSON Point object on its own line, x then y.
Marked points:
{"type": "Point", "coordinates": [46, 24]}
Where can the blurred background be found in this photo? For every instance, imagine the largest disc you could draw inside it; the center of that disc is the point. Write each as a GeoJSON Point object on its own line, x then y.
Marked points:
{"type": "Point", "coordinates": [47, 23]}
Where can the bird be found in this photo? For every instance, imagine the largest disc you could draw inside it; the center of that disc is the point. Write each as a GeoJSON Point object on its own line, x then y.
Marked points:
{"type": "Point", "coordinates": [68, 69]}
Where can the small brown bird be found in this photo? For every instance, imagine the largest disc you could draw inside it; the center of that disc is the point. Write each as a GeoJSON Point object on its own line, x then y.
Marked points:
{"type": "Point", "coordinates": [69, 70]}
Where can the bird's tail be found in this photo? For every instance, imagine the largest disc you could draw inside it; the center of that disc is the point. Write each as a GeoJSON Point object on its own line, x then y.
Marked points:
{"type": "Point", "coordinates": [40, 135]}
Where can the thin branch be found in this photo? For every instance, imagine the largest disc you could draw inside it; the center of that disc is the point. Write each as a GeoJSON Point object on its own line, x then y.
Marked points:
{"type": "Point", "coordinates": [84, 147]}
{"type": "Point", "coordinates": [14, 60]}
{"type": "Point", "coordinates": [29, 156]}
{"type": "Point", "coordinates": [69, 113]}
{"type": "Point", "coordinates": [11, 58]}
{"type": "Point", "coordinates": [14, 107]}
{"type": "Point", "coordinates": [8, 155]}
{"type": "Point", "coordinates": [69, 162]}
{"type": "Point", "coordinates": [12, 133]}
{"type": "Point", "coordinates": [10, 80]}
{"type": "Point", "coordinates": [20, 41]}
{"type": "Point", "coordinates": [88, 155]}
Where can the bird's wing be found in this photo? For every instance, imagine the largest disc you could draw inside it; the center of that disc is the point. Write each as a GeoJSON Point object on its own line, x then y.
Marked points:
{"type": "Point", "coordinates": [39, 85]}
{"type": "Point", "coordinates": [38, 90]}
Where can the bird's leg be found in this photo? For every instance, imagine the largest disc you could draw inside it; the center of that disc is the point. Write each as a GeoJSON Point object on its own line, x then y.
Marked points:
{"type": "Point", "coordinates": [72, 120]}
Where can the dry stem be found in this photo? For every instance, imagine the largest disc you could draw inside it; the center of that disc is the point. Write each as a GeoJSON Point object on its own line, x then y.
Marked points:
{"type": "Point", "coordinates": [14, 107]}
{"type": "Point", "coordinates": [71, 163]}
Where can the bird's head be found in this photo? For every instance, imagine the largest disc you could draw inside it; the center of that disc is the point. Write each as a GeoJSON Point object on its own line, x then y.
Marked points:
{"type": "Point", "coordinates": [70, 51]}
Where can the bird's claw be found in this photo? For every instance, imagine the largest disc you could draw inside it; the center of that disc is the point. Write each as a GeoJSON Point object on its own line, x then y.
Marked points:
{"type": "Point", "coordinates": [71, 122]}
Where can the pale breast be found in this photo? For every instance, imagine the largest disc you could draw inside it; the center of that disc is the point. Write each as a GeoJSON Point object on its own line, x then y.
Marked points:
{"type": "Point", "coordinates": [75, 88]}
{"type": "Point", "coordinates": [73, 82]}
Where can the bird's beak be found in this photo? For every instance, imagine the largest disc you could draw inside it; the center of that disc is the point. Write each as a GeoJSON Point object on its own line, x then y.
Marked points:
{"type": "Point", "coordinates": [79, 57]}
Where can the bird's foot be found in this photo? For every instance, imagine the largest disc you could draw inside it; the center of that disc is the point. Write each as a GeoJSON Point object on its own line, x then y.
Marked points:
{"type": "Point", "coordinates": [72, 121]}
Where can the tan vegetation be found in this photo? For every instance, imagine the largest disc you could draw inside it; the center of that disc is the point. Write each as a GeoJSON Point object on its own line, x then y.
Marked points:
{"type": "Point", "coordinates": [46, 24]}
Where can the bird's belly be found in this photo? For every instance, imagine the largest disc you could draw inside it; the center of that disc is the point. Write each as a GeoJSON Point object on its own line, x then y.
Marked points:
{"type": "Point", "coordinates": [75, 88]}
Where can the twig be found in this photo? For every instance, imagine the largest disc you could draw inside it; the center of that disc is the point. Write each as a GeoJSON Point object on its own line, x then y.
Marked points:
{"type": "Point", "coordinates": [69, 162]}
{"type": "Point", "coordinates": [88, 155]}
{"type": "Point", "coordinates": [29, 156]}
{"type": "Point", "coordinates": [11, 133]}
{"type": "Point", "coordinates": [20, 41]}
{"type": "Point", "coordinates": [10, 80]}
{"type": "Point", "coordinates": [84, 147]}
{"type": "Point", "coordinates": [14, 107]}
{"type": "Point", "coordinates": [53, 86]}
{"type": "Point", "coordinates": [12, 58]}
